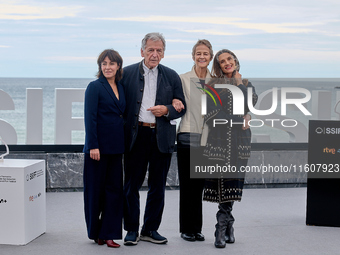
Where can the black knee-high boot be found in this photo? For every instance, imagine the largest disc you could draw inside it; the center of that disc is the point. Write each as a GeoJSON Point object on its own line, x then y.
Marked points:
{"type": "Point", "coordinates": [221, 227]}
{"type": "Point", "coordinates": [229, 234]}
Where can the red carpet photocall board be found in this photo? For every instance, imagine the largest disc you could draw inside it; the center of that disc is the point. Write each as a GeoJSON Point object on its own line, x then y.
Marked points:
{"type": "Point", "coordinates": [22, 200]}
{"type": "Point", "coordinates": [323, 183]}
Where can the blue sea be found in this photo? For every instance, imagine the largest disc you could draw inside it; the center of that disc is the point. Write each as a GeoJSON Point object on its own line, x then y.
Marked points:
{"type": "Point", "coordinates": [16, 88]}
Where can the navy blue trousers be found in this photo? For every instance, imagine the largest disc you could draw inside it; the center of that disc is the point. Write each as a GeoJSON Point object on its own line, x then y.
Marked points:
{"type": "Point", "coordinates": [145, 153]}
{"type": "Point", "coordinates": [103, 196]}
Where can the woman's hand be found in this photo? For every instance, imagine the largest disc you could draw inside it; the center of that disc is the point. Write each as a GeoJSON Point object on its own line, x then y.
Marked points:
{"type": "Point", "coordinates": [247, 118]}
{"type": "Point", "coordinates": [238, 78]}
{"type": "Point", "coordinates": [177, 104]}
{"type": "Point", "coordinates": [95, 154]}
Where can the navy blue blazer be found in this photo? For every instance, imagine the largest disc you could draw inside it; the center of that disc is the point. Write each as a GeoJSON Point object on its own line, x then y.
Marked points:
{"type": "Point", "coordinates": [104, 123]}
{"type": "Point", "coordinates": [169, 86]}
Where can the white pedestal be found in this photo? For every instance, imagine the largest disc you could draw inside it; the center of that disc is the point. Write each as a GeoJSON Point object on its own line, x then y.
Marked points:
{"type": "Point", "coordinates": [22, 200]}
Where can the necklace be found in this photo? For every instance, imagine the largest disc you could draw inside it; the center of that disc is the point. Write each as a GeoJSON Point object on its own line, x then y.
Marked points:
{"type": "Point", "coordinates": [115, 90]}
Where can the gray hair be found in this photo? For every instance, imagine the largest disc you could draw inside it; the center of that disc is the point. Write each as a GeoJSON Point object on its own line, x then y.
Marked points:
{"type": "Point", "coordinates": [216, 69]}
{"type": "Point", "coordinates": [154, 37]}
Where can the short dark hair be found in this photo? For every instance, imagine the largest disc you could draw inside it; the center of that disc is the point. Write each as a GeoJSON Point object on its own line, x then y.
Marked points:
{"type": "Point", "coordinates": [114, 57]}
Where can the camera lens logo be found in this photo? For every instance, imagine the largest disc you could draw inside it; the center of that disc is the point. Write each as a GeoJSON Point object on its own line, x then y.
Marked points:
{"type": "Point", "coordinates": [319, 130]}
{"type": "Point", "coordinates": [3, 201]}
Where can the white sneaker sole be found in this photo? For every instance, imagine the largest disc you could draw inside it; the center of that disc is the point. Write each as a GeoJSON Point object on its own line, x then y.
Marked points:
{"type": "Point", "coordinates": [149, 239]}
{"type": "Point", "coordinates": [131, 242]}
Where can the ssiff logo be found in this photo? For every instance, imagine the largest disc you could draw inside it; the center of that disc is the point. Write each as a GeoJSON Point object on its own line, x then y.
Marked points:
{"type": "Point", "coordinates": [327, 131]}
{"type": "Point", "coordinates": [34, 174]}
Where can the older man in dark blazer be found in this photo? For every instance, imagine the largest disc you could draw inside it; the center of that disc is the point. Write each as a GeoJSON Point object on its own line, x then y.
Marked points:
{"type": "Point", "coordinates": [150, 132]}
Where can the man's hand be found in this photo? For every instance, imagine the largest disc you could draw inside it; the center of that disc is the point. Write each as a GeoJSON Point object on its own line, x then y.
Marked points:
{"type": "Point", "coordinates": [247, 118]}
{"type": "Point", "coordinates": [158, 110]}
{"type": "Point", "coordinates": [178, 105]}
{"type": "Point", "coordinates": [95, 154]}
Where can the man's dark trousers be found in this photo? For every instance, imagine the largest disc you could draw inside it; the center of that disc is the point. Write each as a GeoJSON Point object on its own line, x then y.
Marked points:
{"type": "Point", "coordinates": [145, 152]}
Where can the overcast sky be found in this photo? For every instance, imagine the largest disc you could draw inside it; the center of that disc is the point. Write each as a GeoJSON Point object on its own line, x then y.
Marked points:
{"type": "Point", "coordinates": [59, 38]}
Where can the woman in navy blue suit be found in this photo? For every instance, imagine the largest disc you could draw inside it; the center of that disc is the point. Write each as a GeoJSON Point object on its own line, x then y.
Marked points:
{"type": "Point", "coordinates": [104, 146]}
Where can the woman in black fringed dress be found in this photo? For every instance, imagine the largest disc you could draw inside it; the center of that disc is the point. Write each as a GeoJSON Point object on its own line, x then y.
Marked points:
{"type": "Point", "coordinates": [228, 145]}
